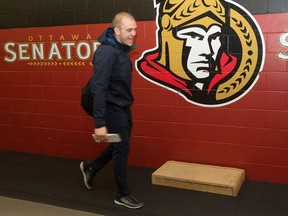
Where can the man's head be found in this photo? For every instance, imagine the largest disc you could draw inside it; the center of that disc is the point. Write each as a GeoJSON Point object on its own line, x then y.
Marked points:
{"type": "Point", "coordinates": [124, 26]}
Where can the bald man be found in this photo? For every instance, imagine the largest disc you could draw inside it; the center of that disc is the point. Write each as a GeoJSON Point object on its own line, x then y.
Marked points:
{"type": "Point", "coordinates": [112, 93]}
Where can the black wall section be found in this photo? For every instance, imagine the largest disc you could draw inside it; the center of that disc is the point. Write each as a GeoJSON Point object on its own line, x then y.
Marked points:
{"type": "Point", "coordinates": [37, 13]}
{"type": "Point", "coordinates": [264, 6]}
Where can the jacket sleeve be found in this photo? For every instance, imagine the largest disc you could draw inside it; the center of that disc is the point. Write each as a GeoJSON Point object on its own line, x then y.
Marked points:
{"type": "Point", "coordinates": [103, 61]}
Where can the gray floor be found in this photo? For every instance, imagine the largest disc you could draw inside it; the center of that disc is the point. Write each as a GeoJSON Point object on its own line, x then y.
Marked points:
{"type": "Point", "coordinates": [16, 207]}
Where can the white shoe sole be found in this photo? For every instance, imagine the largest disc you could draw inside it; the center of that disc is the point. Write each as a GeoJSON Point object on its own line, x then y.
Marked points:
{"type": "Point", "coordinates": [84, 175]}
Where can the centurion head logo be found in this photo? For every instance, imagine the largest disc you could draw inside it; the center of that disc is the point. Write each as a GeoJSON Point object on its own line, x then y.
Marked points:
{"type": "Point", "coordinates": [210, 52]}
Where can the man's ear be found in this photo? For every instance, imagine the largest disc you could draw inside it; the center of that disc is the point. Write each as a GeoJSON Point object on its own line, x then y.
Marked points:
{"type": "Point", "coordinates": [117, 31]}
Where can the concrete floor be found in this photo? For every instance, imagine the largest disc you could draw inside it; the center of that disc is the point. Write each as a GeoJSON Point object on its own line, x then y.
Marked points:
{"type": "Point", "coordinates": [15, 207]}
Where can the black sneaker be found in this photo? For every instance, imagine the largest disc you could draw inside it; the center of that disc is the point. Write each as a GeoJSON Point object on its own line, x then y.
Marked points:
{"type": "Point", "coordinates": [128, 201]}
{"type": "Point", "coordinates": [88, 174]}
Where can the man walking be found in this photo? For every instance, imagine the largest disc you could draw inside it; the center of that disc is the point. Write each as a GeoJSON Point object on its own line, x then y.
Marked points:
{"type": "Point", "coordinates": [111, 90]}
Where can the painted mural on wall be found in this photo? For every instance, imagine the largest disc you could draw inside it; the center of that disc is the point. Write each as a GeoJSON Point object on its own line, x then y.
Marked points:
{"type": "Point", "coordinates": [210, 52]}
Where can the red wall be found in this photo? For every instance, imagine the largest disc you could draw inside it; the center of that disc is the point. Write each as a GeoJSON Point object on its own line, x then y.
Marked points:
{"type": "Point", "coordinates": [40, 111]}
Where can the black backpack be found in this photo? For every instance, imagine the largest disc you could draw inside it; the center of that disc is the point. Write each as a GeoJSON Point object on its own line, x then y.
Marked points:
{"type": "Point", "coordinates": [87, 98]}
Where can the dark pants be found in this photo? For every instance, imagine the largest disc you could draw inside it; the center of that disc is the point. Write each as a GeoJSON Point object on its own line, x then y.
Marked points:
{"type": "Point", "coordinates": [119, 121]}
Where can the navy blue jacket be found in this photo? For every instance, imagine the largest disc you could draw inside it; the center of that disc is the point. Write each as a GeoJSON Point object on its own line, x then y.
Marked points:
{"type": "Point", "coordinates": [112, 78]}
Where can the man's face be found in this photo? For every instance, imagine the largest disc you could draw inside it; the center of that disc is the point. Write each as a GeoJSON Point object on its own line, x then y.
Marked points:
{"type": "Point", "coordinates": [126, 32]}
{"type": "Point", "coordinates": [204, 46]}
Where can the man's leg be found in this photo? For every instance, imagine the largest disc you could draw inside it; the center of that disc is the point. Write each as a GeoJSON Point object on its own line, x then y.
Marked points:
{"type": "Point", "coordinates": [90, 168]}
{"type": "Point", "coordinates": [120, 157]}
{"type": "Point", "coordinates": [103, 159]}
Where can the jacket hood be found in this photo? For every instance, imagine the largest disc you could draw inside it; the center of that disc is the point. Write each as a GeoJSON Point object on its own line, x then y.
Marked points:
{"type": "Point", "coordinates": [107, 37]}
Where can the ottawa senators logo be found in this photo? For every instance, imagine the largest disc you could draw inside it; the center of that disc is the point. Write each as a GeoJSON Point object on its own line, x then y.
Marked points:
{"type": "Point", "coordinates": [208, 51]}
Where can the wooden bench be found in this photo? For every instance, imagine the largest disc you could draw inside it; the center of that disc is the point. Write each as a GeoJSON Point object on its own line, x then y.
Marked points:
{"type": "Point", "coordinates": [200, 177]}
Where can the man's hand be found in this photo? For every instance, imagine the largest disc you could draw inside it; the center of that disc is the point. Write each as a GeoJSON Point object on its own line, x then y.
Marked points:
{"type": "Point", "coordinates": [101, 134]}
